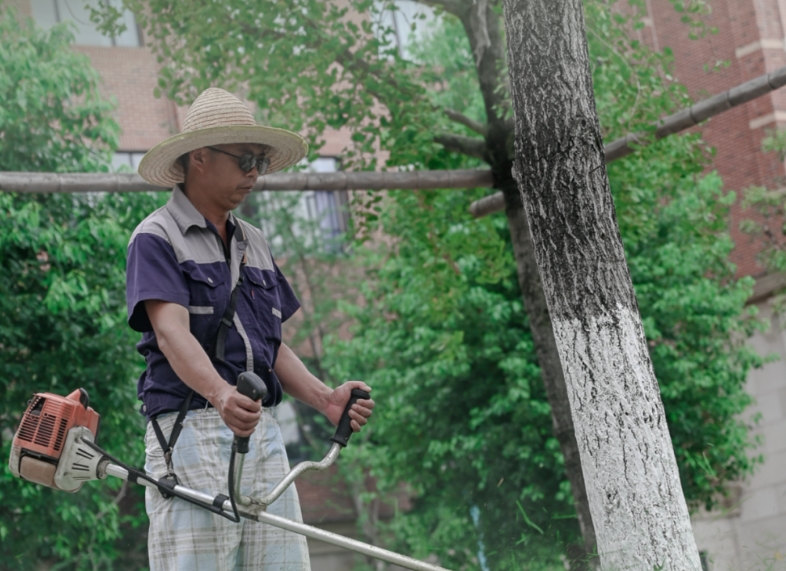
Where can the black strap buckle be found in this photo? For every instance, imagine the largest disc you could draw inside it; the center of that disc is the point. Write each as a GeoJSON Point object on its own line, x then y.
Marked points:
{"type": "Point", "coordinates": [168, 482]}
{"type": "Point", "coordinates": [168, 447]}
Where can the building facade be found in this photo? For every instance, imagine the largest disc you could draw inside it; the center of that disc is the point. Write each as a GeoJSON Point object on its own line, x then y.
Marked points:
{"type": "Point", "coordinates": [750, 533]}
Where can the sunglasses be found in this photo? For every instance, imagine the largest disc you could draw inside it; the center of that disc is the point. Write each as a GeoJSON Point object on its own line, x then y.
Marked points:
{"type": "Point", "coordinates": [247, 161]}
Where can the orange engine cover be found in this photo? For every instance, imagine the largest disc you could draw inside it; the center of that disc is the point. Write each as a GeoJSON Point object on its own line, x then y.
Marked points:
{"type": "Point", "coordinates": [48, 419]}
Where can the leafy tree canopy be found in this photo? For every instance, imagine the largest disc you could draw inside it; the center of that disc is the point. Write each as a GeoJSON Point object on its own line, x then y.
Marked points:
{"type": "Point", "coordinates": [444, 341]}
{"type": "Point", "coordinates": [442, 336]}
{"type": "Point", "coordinates": [62, 298]}
{"type": "Point", "coordinates": [768, 221]}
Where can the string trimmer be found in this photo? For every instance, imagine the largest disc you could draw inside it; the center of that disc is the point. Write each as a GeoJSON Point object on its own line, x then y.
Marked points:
{"type": "Point", "coordinates": [55, 446]}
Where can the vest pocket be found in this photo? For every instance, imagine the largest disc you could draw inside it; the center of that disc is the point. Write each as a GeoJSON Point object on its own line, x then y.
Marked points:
{"type": "Point", "coordinates": [263, 286]}
{"type": "Point", "coordinates": [203, 288]}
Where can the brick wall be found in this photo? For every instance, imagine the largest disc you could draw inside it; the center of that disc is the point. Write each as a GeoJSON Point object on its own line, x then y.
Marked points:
{"type": "Point", "coordinates": [750, 37]}
{"type": "Point", "coordinates": [750, 534]}
{"type": "Point", "coordinates": [129, 75]}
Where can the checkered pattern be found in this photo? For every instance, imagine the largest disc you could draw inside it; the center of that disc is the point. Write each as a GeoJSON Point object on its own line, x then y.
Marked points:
{"type": "Point", "coordinates": [185, 537]}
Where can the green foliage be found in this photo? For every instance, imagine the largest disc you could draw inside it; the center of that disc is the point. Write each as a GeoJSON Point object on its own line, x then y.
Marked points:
{"type": "Point", "coordinates": [462, 416]}
{"type": "Point", "coordinates": [51, 105]}
{"type": "Point", "coordinates": [441, 334]}
{"type": "Point", "coordinates": [308, 64]}
{"type": "Point", "coordinates": [693, 14]}
{"type": "Point", "coordinates": [443, 339]}
{"type": "Point", "coordinates": [62, 303]}
{"type": "Point", "coordinates": [63, 327]}
{"type": "Point", "coordinates": [768, 221]}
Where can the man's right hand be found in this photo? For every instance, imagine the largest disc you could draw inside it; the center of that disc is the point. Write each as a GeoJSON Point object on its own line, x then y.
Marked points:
{"type": "Point", "coordinates": [239, 413]}
{"type": "Point", "coordinates": [190, 362]}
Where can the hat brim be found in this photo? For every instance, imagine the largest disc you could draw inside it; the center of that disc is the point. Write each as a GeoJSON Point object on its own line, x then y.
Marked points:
{"type": "Point", "coordinates": [159, 166]}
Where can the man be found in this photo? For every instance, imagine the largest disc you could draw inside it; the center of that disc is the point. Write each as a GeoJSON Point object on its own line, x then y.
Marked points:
{"type": "Point", "coordinates": [205, 292]}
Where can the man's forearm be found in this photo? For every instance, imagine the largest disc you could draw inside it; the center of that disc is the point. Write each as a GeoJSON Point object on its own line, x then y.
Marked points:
{"type": "Point", "coordinates": [298, 382]}
{"type": "Point", "coordinates": [184, 353]}
{"type": "Point", "coordinates": [191, 364]}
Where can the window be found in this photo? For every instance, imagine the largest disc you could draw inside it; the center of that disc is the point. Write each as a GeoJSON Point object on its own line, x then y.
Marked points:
{"type": "Point", "coordinates": [47, 13]}
{"type": "Point", "coordinates": [126, 161]}
{"type": "Point", "coordinates": [327, 207]}
{"type": "Point", "coordinates": [317, 216]}
{"type": "Point", "coordinates": [395, 21]}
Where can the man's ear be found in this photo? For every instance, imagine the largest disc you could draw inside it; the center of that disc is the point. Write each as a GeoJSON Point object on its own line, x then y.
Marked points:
{"type": "Point", "coordinates": [198, 159]}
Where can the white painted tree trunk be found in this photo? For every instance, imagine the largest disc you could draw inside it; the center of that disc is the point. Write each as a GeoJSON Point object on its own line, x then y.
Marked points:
{"type": "Point", "coordinates": [635, 497]}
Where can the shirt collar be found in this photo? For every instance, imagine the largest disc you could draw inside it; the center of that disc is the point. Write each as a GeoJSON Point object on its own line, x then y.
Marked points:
{"type": "Point", "coordinates": [184, 213]}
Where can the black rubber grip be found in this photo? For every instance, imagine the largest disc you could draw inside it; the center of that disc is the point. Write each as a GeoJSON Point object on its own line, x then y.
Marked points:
{"type": "Point", "coordinates": [249, 385]}
{"type": "Point", "coordinates": [344, 429]}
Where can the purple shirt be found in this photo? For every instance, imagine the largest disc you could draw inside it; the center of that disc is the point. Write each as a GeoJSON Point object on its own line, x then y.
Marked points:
{"type": "Point", "coordinates": [177, 255]}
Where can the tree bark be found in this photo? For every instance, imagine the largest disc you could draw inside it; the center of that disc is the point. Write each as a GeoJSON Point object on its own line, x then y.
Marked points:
{"type": "Point", "coordinates": [551, 370]}
{"type": "Point", "coordinates": [633, 487]}
{"type": "Point", "coordinates": [488, 48]}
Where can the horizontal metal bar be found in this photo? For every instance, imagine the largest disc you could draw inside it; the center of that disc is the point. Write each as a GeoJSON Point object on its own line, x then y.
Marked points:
{"type": "Point", "coordinates": [258, 513]}
{"type": "Point", "coordinates": [340, 541]}
{"type": "Point", "coordinates": [122, 473]}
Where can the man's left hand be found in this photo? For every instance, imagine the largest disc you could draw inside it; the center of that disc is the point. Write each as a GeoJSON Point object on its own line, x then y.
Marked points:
{"type": "Point", "coordinates": [359, 413]}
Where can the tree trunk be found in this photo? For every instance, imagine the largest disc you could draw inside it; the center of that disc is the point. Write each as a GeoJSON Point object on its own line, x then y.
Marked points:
{"type": "Point", "coordinates": [638, 509]}
{"type": "Point", "coordinates": [551, 371]}
{"type": "Point", "coordinates": [483, 31]}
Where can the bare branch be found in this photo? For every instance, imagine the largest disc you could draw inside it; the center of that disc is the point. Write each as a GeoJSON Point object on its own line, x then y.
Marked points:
{"type": "Point", "coordinates": [471, 124]}
{"type": "Point", "coordinates": [464, 145]}
{"type": "Point", "coordinates": [482, 25]}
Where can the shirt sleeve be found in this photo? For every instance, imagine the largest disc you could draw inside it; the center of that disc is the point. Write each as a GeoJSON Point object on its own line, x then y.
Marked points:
{"type": "Point", "coordinates": [289, 301]}
{"type": "Point", "coordinates": [152, 272]}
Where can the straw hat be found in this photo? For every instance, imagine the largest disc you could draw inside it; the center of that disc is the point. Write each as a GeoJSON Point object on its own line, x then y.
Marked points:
{"type": "Point", "coordinates": [215, 118]}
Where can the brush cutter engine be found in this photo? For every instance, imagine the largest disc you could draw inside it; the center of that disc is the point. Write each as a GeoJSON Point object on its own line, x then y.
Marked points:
{"type": "Point", "coordinates": [49, 448]}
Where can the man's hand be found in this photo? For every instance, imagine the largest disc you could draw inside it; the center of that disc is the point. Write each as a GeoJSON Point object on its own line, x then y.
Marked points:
{"type": "Point", "coordinates": [239, 413]}
{"type": "Point", "coordinates": [359, 413]}
{"type": "Point", "coordinates": [298, 382]}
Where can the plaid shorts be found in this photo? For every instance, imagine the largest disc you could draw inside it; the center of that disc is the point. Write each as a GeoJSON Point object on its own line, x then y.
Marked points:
{"type": "Point", "coordinates": [186, 537]}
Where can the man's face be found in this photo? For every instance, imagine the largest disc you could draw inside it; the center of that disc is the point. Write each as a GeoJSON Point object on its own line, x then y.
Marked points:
{"type": "Point", "coordinates": [228, 185]}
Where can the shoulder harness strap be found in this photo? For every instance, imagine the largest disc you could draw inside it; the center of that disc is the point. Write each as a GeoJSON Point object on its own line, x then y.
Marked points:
{"type": "Point", "coordinates": [229, 314]}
